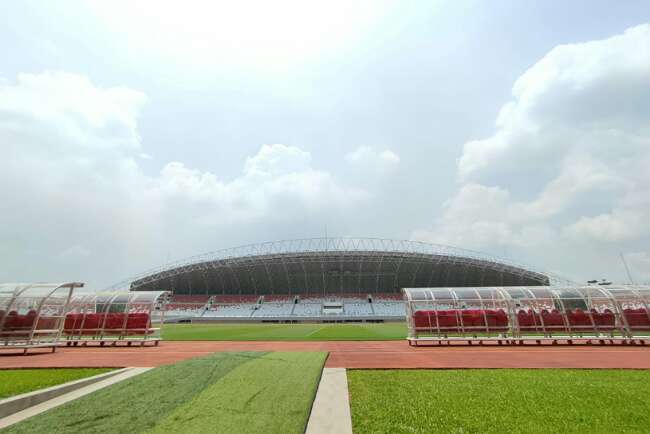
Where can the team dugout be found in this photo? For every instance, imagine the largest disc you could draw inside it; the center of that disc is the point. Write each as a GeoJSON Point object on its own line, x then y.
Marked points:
{"type": "Point", "coordinates": [32, 314]}
{"type": "Point", "coordinates": [537, 313]}
{"type": "Point", "coordinates": [115, 317]}
{"type": "Point", "coordinates": [44, 315]}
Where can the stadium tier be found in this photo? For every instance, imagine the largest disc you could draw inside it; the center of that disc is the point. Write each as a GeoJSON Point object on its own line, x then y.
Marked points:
{"type": "Point", "coordinates": [344, 267]}
{"type": "Point", "coordinates": [289, 308]}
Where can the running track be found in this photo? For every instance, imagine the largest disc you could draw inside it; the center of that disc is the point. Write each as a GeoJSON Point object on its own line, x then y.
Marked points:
{"type": "Point", "coordinates": [375, 354]}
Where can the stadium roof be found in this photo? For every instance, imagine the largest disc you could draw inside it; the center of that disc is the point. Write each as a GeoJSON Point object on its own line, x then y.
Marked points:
{"type": "Point", "coordinates": [334, 265]}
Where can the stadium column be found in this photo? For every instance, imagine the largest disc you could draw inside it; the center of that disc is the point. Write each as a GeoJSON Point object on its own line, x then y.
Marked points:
{"type": "Point", "coordinates": [304, 270]}
{"type": "Point", "coordinates": [415, 273]}
{"type": "Point", "coordinates": [286, 271]}
{"type": "Point", "coordinates": [360, 268]}
{"type": "Point", "coordinates": [322, 270]}
{"type": "Point", "coordinates": [381, 260]}
{"type": "Point", "coordinates": [397, 269]}
{"type": "Point", "coordinates": [434, 269]}
{"type": "Point", "coordinates": [234, 276]}
{"type": "Point", "coordinates": [268, 276]}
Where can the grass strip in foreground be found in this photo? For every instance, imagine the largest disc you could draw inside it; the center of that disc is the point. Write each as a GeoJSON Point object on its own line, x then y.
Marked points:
{"type": "Point", "coordinates": [285, 332]}
{"type": "Point", "coordinates": [272, 394]}
{"type": "Point", "coordinates": [17, 381]}
{"type": "Point", "coordinates": [224, 392]}
{"type": "Point", "coordinates": [499, 400]}
{"type": "Point", "coordinates": [138, 403]}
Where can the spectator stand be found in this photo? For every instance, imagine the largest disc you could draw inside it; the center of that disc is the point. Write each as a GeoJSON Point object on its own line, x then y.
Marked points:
{"type": "Point", "coordinates": [32, 314]}
{"type": "Point", "coordinates": [518, 314]}
{"type": "Point", "coordinates": [114, 318]}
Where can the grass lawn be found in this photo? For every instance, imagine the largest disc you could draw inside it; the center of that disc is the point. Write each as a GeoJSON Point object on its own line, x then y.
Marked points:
{"type": "Point", "coordinates": [16, 381]}
{"type": "Point", "coordinates": [284, 332]}
{"type": "Point", "coordinates": [225, 392]}
{"type": "Point", "coordinates": [499, 400]}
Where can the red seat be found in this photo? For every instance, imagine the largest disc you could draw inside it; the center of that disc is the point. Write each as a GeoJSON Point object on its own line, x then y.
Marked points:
{"type": "Point", "coordinates": [637, 319]}
{"type": "Point", "coordinates": [12, 321]}
{"type": "Point", "coordinates": [579, 320]}
{"type": "Point", "coordinates": [473, 320]}
{"type": "Point", "coordinates": [27, 321]}
{"type": "Point", "coordinates": [603, 320]}
{"type": "Point", "coordinates": [501, 319]}
{"type": "Point", "coordinates": [553, 320]}
{"type": "Point", "coordinates": [114, 321]}
{"type": "Point", "coordinates": [138, 323]}
{"type": "Point", "coordinates": [72, 323]}
{"type": "Point", "coordinates": [607, 320]}
{"type": "Point", "coordinates": [421, 319]}
{"type": "Point", "coordinates": [448, 320]}
{"type": "Point", "coordinates": [497, 320]}
{"type": "Point", "coordinates": [47, 323]}
{"type": "Point", "coordinates": [526, 320]}
{"type": "Point", "coordinates": [92, 323]}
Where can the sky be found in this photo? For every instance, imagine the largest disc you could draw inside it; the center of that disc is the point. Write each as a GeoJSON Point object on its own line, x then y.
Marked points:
{"type": "Point", "coordinates": [138, 133]}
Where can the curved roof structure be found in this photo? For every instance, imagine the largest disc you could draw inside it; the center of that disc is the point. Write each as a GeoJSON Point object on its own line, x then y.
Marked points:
{"type": "Point", "coordinates": [334, 265]}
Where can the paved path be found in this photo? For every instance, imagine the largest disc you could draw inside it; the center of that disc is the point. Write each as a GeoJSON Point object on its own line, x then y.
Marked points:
{"type": "Point", "coordinates": [330, 413]}
{"type": "Point", "coordinates": [363, 354]}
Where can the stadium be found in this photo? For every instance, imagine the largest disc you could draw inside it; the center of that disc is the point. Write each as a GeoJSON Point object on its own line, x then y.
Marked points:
{"type": "Point", "coordinates": [315, 336]}
{"type": "Point", "coordinates": [348, 279]}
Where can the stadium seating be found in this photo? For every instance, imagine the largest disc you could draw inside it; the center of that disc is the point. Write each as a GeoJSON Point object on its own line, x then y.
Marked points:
{"type": "Point", "coordinates": [233, 299]}
{"type": "Point", "coordinates": [230, 310]}
{"type": "Point", "coordinates": [357, 309]}
{"type": "Point", "coordinates": [389, 308]}
{"type": "Point", "coordinates": [307, 309]}
{"type": "Point", "coordinates": [273, 310]}
{"type": "Point", "coordinates": [180, 298]}
{"type": "Point", "coordinates": [278, 298]}
{"type": "Point", "coordinates": [387, 297]}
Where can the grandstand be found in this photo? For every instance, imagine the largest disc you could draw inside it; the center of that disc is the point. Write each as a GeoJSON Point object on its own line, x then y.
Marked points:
{"type": "Point", "coordinates": [337, 279]}
{"type": "Point", "coordinates": [333, 307]}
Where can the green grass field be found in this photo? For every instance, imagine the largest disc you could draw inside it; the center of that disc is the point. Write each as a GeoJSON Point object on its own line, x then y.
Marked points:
{"type": "Point", "coordinates": [499, 400]}
{"type": "Point", "coordinates": [284, 332]}
{"type": "Point", "coordinates": [16, 381]}
{"type": "Point", "coordinates": [226, 392]}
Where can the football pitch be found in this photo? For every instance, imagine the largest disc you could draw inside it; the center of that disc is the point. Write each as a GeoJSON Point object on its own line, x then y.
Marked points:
{"type": "Point", "coordinates": [284, 332]}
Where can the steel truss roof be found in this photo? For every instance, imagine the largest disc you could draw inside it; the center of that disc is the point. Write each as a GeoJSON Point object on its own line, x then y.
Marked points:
{"type": "Point", "coordinates": [335, 250]}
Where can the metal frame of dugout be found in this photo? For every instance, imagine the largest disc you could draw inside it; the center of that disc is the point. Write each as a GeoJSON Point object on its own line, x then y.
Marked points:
{"type": "Point", "coordinates": [513, 315]}
{"type": "Point", "coordinates": [32, 314]}
{"type": "Point", "coordinates": [115, 318]}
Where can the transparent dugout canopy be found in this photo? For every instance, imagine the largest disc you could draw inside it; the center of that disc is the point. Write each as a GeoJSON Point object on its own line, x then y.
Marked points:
{"type": "Point", "coordinates": [115, 315]}
{"type": "Point", "coordinates": [32, 314]}
{"type": "Point", "coordinates": [531, 310]}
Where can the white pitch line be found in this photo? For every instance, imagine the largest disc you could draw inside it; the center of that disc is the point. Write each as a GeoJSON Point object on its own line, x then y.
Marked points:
{"type": "Point", "coordinates": [315, 331]}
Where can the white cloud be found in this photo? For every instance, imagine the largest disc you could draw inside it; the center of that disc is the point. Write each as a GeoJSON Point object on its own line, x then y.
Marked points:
{"type": "Point", "coordinates": [567, 165]}
{"type": "Point", "coordinates": [72, 186]}
{"type": "Point", "coordinates": [367, 158]}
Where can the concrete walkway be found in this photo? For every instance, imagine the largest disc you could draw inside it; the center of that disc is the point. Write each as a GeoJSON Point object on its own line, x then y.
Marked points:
{"type": "Point", "coordinates": [331, 410]}
{"type": "Point", "coordinates": [62, 399]}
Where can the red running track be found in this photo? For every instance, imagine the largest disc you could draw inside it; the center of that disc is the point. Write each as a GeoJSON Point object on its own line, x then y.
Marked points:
{"type": "Point", "coordinates": [365, 354]}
